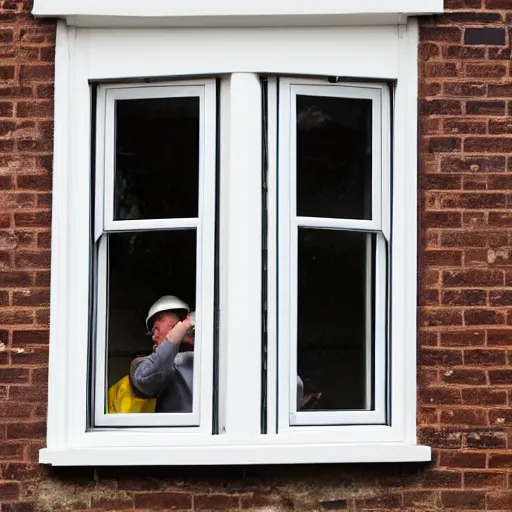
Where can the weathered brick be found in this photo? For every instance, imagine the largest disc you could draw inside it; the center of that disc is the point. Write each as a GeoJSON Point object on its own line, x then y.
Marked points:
{"type": "Point", "coordinates": [163, 500]}
{"type": "Point", "coordinates": [465, 377]}
{"type": "Point", "coordinates": [483, 317]}
{"type": "Point", "coordinates": [463, 338]}
{"type": "Point", "coordinates": [464, 297]}
{"type": "Point", "coordinates": [484, 357]}
{"type": "Point", "coordinates": [463, 459]}
{"type": "Point", "coordinates": [482, 396]}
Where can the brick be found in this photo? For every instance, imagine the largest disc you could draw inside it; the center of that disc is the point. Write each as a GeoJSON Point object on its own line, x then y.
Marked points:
{"type": "Point", "coordinates": [462, 4]}
{"type": "Point", "coordinates": [499, 127]}
{"type": "Point", "coordinates": [483, 317]}
{"type": "Point", "coordinates": [6, 109]}
{"type": "Point", "coordinates": [441, 34]}
{"type": "Point", "coordinates": [463, 52]}
{"type": "Point", "coordinates": [440, 438]}
{"type": "Point", "coordinates": [41, 108]}
{"type": "Point", "coordinates": [163, 500]}
{"type": "Point", "coordinates": [486, 70]}
{"type": "Point", "coordinates": [9, 491]}
{"type": "Point", "coordinates": [39, 73]}
{"type": "Point", "coordinates": [35, 182]}
{"type": "Point", "coordinates": [112, 503]}
{"type": "Point", "coordinates": [484, 357]}
{"type": "Point", "coordinates": [498, 377]}
{"type": "Point", "coordinates": [499, 90]}
{"type": "Point", "coordinates": [473, 460]}
{"type": "Point", "coordinates": [500, 460]}
{"type": "Point", "coordinates": [28, 393]}
{"type": "Point", "coordinates": [462, 89]}
{"type": "Point", "coordinates": [464, 417]}
{"type": "Point", "coordinates": [13, 375]}
{"type": "Point", "coordinates": [442, 182]}
{"type": "Point", "coordinates": [443, 219]}
{"type": "Point", "coordinates": [434, 357]}
{"type": "Point", "coordinates": [440, 395]}
{"type": "Point", "coordinates": [473, 164]}
{"type": "Point", "coordinates": [28, 337]}
{"type": "Point", "coordinates": [33, 355]}
{"type": "Point", "coordinates": [464, 297]}
{"type": "Point", "coordinates": [499, 500]}
{"type": "Point", "coordinates": [465, 377]}
{"type": "Point", "coordinates": [451, 126]}
{"type": "Point", "coordinates": [443, 258]}
{"type": "Point", "coordinates": [438, 317]}
{"type": "Point", "coordinates": [479, 200]}
{"type": "Point", "coordinates": [469, 17]}
{"type": "Point", "coordinates": [484, 108]}
{"type": "Point", "coordinates": [33, 259]}
{"type": "Point", "coordinates": [473, 277]}
{"type": "Point", "coordinates": [444, 107]}
{"type": "Point", "coordinates": [11, 451]}
{"type": "Point", "coordinates": [15, 279]}
{"type": "Point", "coordinates": [487, 480]}
{"type": "Point", "coordinates": [500, 416]}
{"type": "Point", "coordinates": [31, 297]}
{"type": "Point", "coordinates": [13, 410]}
{"type": "Point", "coordinates": [485, 36]}
{"type": "Point", "coordinates": [15, 316]}
{"type": "Point", "coordinates": [479, 396]}
{"type": "Point", "coordinates": [444, 145]}
{"type": "Point", "coordinates": [32, 430]}
{"type": "Point", "coordinates": [216, 502]}
{"type": "Point", "coordinates": [488, 145]}
{"type": "Point", "coordinates": [464, 500]}
{"type": "Point", "coordinates": [500, 219]}
{"type": "Point", "coordinates": [385, 501]}
{"type": "Point", "coordinates": [485, 439]}
{"type": "Point", "coordinates": [37, 219]}
{"type": "Point", "coordinates": [499, 337]}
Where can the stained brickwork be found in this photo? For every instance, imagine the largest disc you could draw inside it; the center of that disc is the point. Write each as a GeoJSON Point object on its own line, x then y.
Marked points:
{"type": "Point", "coordinates": [465, 298]}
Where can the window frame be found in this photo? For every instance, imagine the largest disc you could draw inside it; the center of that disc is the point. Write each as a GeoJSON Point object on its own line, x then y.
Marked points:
{"type": "Point", "coordinates": [200, 419]}
{"type": "Point", "coordinates": [290, 222]}
{"type": "Point", "coordinates": [86, 55]}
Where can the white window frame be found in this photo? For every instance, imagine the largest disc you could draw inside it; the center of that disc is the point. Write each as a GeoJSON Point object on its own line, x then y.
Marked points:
{"type": "Point", "coordinates": [289, 223]}
{"type": "Point", "coordinates": [92, 54]}
{"type": "Point", "coordinates": [203, 225]}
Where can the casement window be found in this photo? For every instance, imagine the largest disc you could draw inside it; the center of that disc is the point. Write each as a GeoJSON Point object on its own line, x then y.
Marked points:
{"type": "Point", "coordinates": [275, 198]}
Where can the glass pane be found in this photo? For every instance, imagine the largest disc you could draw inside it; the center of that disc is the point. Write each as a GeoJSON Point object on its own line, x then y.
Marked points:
{"type": "Point", "coordinates": [143, 267]}
{"type": "Point", "coordinates": [336, 289]}
{"type": "Point", "coordinates": [157, 158]}
{"type": "Point", "coordinates": [334, 157]}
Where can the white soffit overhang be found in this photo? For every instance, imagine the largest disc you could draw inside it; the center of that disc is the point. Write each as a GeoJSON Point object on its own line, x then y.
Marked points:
{"type": "Point", "coordinates": [208, 13]}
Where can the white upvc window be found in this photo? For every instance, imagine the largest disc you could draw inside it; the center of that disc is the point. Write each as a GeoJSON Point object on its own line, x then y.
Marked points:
{"type": "Point", "coordinates": [154, 220]}
{"type": "Point", "coordinates": [333, 236]}
{"type": "Point", "coordinates": [234, 168]}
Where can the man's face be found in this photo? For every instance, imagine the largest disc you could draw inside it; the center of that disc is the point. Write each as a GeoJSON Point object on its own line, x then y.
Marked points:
{"type": "Point", "coordinates": [161, 326]}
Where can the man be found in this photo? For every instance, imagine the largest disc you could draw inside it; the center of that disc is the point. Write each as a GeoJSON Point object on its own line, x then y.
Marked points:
{"type": "Point", "coordinates": [168, 372]}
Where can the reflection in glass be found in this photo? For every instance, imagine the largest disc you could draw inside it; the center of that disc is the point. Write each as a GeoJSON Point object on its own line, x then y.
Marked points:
{"type": "Point", "coordinates": [334, 157]}
{"type": "Point", "coordinates": [157, 158]}
{"type": "Point", "coordinates": [336, 289]}
{"type": "Point", "coordinates": [142, 267]}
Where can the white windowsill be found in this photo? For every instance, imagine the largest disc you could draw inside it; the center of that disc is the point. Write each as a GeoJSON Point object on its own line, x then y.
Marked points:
{"type": "Point", "coordinates": [233, 455]}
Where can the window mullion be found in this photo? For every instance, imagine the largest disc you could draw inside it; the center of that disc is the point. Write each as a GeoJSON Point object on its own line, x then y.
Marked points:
{"type": "Point", "coordinates": [240, 256]}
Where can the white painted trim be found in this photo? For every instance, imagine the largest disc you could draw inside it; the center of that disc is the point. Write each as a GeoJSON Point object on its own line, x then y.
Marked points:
{"type": "Point", "coordinates": [232, 13]}
{"type": "Point", "coordinates": [237, 454]}
{"type": "Point", "coordinates": [84, 55]}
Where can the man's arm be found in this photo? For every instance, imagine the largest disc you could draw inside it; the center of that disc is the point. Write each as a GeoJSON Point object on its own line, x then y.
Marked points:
{"type": "Point", "coordinates": [150, 374]}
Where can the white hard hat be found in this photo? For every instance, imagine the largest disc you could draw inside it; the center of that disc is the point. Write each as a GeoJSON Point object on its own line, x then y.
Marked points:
{"type": "Point", "coordinates": [166, 303]}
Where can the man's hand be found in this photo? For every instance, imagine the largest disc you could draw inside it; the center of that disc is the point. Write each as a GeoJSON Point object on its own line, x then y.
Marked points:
{"type": "Point", "coordinates": [177, 333]}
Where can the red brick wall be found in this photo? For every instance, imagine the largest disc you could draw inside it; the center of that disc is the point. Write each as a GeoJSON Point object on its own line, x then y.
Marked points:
{"type": "Point", "coordinates": [465, 314]}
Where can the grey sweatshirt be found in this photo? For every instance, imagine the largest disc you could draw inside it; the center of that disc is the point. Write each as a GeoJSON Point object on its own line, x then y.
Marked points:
{"type": "Point", "coordinates": [166, 375]}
